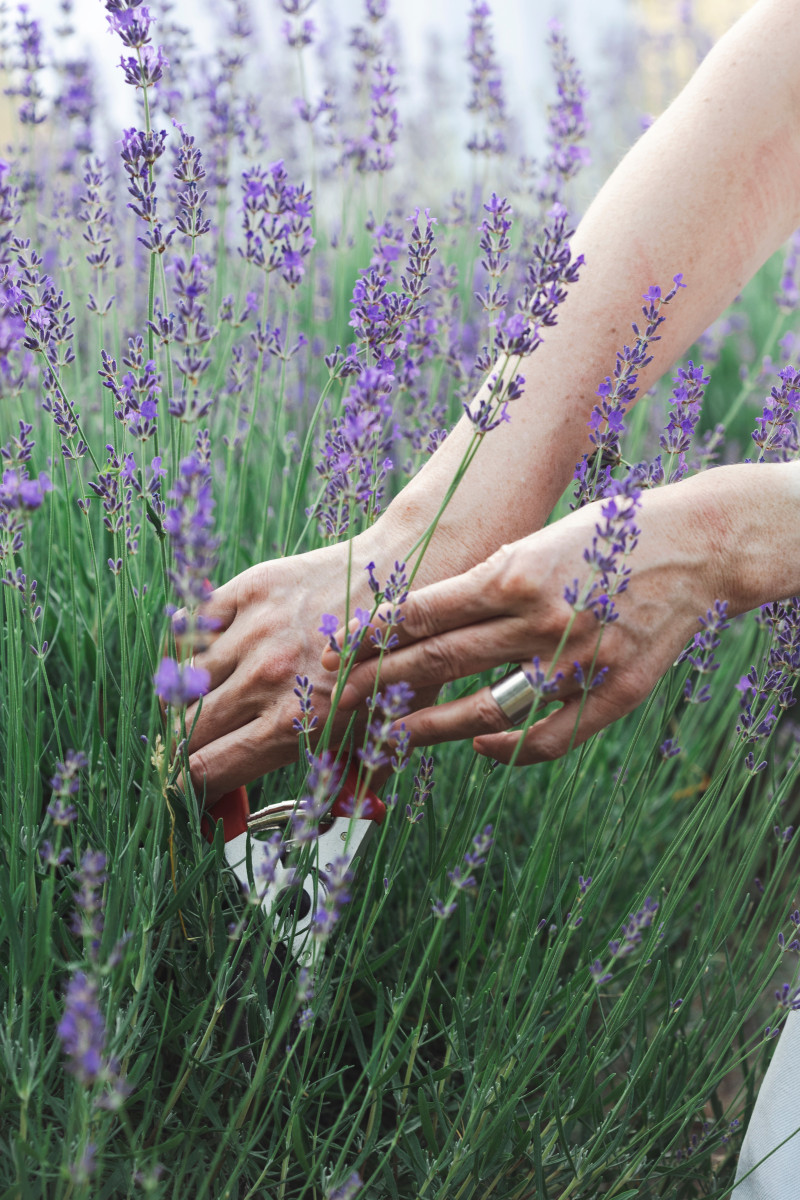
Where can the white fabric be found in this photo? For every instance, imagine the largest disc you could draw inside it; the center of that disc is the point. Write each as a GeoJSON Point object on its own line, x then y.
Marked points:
{"type": "Point", "coordinates": [776, 1117]}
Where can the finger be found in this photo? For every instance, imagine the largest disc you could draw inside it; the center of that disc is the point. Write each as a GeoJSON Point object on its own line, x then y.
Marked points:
{"type": "Point", "coordinates": [445, 658]}
{"type": "Point", "coordinates": [220, 658]}
{"type": "Point", "coordinates": [468, 717]}
{"type": "Point", "coordinates": [225, 708]}
{"type": "Point", "coordinates": [232, 760]}
{"type": "Point", "coordinates": [552, 736]}
{"type": "Point", "coordinates": [463, 600]}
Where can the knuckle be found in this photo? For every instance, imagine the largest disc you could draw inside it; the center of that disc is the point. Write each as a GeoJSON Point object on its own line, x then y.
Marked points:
{"type": "Point", "coordinates": [512, 578]}
{"type": "Point", "coordinates": [199, 772]}
{"type": "Point", "coordinates": [489, 713]}
{"type": "Point", "coordinates": [273, 670]}
{"type": "Point", "coordinates": [441, 663]}
{"type": "Point", "coordinates": [505, 571]}
{"type": "Point", "coordinates": [419, 616]}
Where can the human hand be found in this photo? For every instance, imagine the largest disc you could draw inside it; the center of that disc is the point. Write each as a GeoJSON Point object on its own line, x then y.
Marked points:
{"type": "Point", "coordinates": [268, 633]}
{"type": "Point", "coordinates": [511, 608]}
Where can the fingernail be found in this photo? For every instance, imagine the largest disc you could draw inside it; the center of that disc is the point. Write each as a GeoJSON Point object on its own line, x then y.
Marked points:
{"type": "Point", "coordinates": [349, 697]}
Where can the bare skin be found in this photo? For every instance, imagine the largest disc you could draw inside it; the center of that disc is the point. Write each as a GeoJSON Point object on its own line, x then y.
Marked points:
{"type": "Point", "coordinates": [730, 534]}
{"type": "Point", "coordinates": [711, 190]}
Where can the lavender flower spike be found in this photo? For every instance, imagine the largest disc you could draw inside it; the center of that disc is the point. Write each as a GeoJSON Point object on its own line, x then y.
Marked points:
{"type": "Point", "coordinates": [348, 1190]}
{"type": "Point", "coordinates": [180, 685]}
{"type": "Point", "coordinates": [82, 1031]}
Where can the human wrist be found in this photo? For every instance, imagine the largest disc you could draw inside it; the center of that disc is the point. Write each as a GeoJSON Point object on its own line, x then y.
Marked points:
{"type": "Point", "coordinates": [749, 512]}
{"type": "Point", "coordinates": [402, 529]}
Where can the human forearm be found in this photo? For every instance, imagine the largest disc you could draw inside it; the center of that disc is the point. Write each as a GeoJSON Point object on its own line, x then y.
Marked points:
{"type": "Point", "coordinates": [711, 190]}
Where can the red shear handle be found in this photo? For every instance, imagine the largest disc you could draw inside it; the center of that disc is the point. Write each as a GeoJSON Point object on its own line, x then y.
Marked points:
{"type": "Point", "coordinates": [368, 806]}
{"type": "Point", "coordinates": [233, 808]}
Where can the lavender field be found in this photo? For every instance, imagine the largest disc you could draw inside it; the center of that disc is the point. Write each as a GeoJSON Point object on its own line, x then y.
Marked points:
{"type": "Point", "coordinates": [231, 332]}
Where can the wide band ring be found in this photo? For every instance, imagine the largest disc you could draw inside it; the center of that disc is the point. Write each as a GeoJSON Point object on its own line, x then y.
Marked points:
{"type": "Point", "coordinates": [514, 696]}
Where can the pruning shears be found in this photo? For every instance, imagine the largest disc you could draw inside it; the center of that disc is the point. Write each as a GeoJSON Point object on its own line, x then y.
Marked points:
{"type": "Point", "coordinates": [344, 831]}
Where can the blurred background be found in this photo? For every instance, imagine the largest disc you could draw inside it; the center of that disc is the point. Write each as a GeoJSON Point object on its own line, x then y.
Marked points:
{"type": "Point", "coordinates": [429, 39]}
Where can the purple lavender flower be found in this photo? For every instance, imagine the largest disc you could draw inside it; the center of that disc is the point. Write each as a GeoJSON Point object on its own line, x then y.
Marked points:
{"type": "Point", "coordinates": [461, 877]}
{"type": "Point", "coordinates": [298, 34]}
{"type": "Point", "coordinates": [147, 69]}
{"type": "Point", "coordinates": [776, 433]}
{"type": "Point", "coordinates": [788, 998]}
{"type": "Point", "coordinates": [277, 222]}
{"type": "Point", "coordinates": [606, 422]}
{"type": "Point", "coordinates": [304, 691]}
{"type": "Point", "coordinates": [51, 857]}
{"type": "Point", "coordinates": [762, 699]}
{"type": "Point", "coordinates": [669, 748]}
{"type": "Point", "coordinates": [392, 596]}
{"type": "Point", "coordinates": [788, 296]}
{"type": "Point", "coordinates": [82, 1030]}
{"type": "Point", "coordinates": [180, 685]}
{"type": "Point", "coordinates": [95, 215]}
{"type": "Point", "coordinates": [632, 929]}
{"type": "Point", "coordinates": [377, 150]}
{"type": "Point", "coordinates": [66, 783]}
{"type": "Point", "coordinates": [19, 494]}
{"type": "Point", "coordinates": [549, 274]}
{"type": "Point", "coordinates": [588, 682]}
{"type": "Point", "coordinates": [189, 524]}
{"type": "Point", "coordinates": [190, 331]}
{"type": "Point", "coordinates": [424, 783]}
{"type": "Point", "coordinates": [495, 245]}
{"type": "Point", "coordinates": [598, 973]}
{"type": "Point", "coordinates": [28, 68]}
{"type": "Point", "coordinates": [270, 855]}
{"type": "Point", "coordinates": [329, 624]}
{"type": "Point", "coordinates": [132, 25]}
{"type": "Point", "coordinates": [368, 42]}
{"type": "Point", "coordinates": [541, 685]}
{"type": "Point", "coordinates": [90, 900]}
{"type": "Point", "coordinates": [19, 491]}
{"type": "Point", "coordinates": [387, 741]}
{"type": "Point", "coordinates": [442, 909]}
{"type": "Point", "coordinates": [487, 101]}
{"type": "Point", "coordinates": [190, 172]}
{"type": "Point", "coordinates": [336, 880]}
{"type": "Point", "coordinates": [76, 104]}
{"type": "Point", "coordinates": [616, 535]}
{"type": "Point", "coordinates": [687, 396]}
{"type": "Point", "coordinates": [321, 786]}
{"type": "Point", "coordinates": [567, 122]}
{"type": "Point", "coordinates": [354, 465]}
{"type": "Point", "coordinates": [140, 152]}
{"type": "Point", "coordinates": [702, 650]}
{"type": "Point", "coordinates": [347, 1190]}
{"type": "Point", "coordinates": [107, 487]}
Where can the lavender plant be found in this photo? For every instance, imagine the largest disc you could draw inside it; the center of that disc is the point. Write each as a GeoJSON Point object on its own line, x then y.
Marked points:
{"type": "Point", "coordinates": [230, 328]}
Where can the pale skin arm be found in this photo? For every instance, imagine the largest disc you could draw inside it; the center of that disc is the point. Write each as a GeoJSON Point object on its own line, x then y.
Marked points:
{"type": "Point", "coordinates": [729, 534]}
{"type": "Point", "coordinates": [711, 190]}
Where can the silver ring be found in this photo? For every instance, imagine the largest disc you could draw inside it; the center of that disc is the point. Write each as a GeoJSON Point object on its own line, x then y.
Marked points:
{"type": "Point", "coordinates": [514, 696]}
